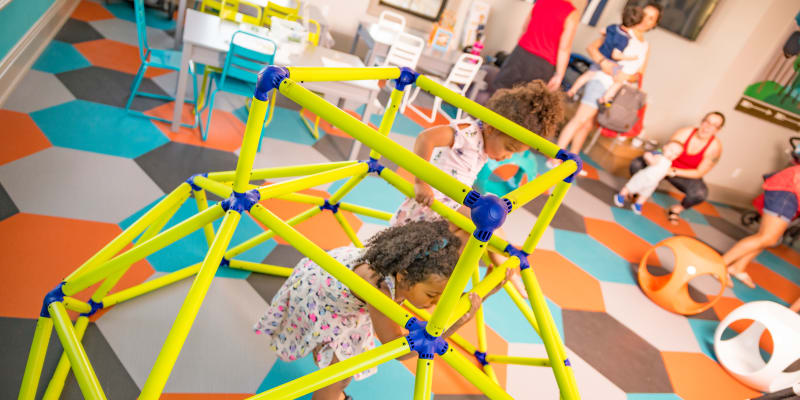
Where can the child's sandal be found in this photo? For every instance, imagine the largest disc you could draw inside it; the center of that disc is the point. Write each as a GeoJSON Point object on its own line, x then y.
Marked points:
{"type": "Point", "coordinates": [673, 217]}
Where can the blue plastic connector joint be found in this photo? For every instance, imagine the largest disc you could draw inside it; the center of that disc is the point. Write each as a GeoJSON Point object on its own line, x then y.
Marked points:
{"type": "Point", "coordinates": [95, 306]}
{"type": "Point", "coordinates": [564, 156]}
{"type": "Point", "coordinates": [488, 213]}
{"type": "Point", "coordinates": [190, 181]}
{"type": "Point", "coordinates": [328, 206]}
{"type": "Point", "coordinates": [481, 357]}
{"type": "Point", "coordinates": [374, 165]}
{"type": "Point", "coordinates": [523, 256]}
{"type": "Point", "coordinates": [567, 363]}
{"type": "Point", "coordinates": [407, 77]}
{"type": "Point", "coordinates": [224, 262]}
{"type": "Point", "coordinates": [471, 198]}
{"type": "Point", "coordinates": [241, 201]}
{"type": "Point", "coordinates": [422, 342]}
{"type": "Point", "coordinates": [269, 78]}
{"type": "Point", "coordinates": [52, 296]}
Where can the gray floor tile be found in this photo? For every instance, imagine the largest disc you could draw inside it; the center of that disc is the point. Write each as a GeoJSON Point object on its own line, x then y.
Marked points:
{"type": "Point", "coordinates": [7, 206]}
{"type": "Point", "coordinates": [173, 163]}
{"type": "Point", "coordinates": [125, 32]}
{"type": "Point", "coordinates": [110, 87]}
{"type": "Point", "coordinates": [27, 96]}
{"type": "Point", "coordinates": [76, 31]}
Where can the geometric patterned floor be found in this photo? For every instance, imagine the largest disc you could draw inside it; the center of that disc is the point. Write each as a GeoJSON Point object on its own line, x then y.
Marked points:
{"type": "Point", "coordinates": [75, 170]}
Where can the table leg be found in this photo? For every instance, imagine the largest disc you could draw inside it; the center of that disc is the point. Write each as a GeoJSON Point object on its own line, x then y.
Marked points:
{"type": "Point", "coordinates": [180, 92]}
{"type": "Point", "coordinates": [179, 24]}
{"type": "Point", "coordinates": [355, 40]}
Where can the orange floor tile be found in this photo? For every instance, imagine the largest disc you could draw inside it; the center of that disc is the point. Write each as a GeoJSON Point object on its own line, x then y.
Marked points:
{"type": "Point", "coordinates": [620, 240]}
{"type": "Point", "coordinates": [226, 130]}
{"type": "Point", "coordinates": [566, 284]}
{"type": "Point", "coordinates": [774, 282]}
{"type": "Point", "coordinates": [657, 214]}
{"type": "Point", "coordinates": [19, 136]}
{"type": "Point", "coordinates": [694, 376]}
{"type": "Point", "coordinates": [88, 11]}
{"type": "Point", "coordinates": [114, 55]}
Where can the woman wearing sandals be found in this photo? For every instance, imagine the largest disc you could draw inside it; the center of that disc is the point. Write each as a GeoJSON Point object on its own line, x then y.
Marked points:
{"type": "Point", "coordinates": [701, 151]}
{"type": "Point", "coordinates": [781, 191]}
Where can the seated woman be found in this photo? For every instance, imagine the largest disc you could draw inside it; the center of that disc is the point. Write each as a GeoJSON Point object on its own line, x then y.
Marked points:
{"type": "Point", "coordinates": [781, 206]}
{"type": "Point", "coordinates": [701, 151]}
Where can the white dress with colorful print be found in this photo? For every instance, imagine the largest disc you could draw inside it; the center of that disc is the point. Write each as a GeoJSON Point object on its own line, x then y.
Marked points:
{"type": "Point", "coordinates": [313, 310]}
{"type": "Point", "coordinates": [463, 161]}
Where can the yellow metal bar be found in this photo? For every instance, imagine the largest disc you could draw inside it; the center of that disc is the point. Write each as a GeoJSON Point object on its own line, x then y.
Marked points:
{"type": "Point", "coordinates": [33, 368]}
{"type": "Point", "coordinates": [435, 177]}
{"type": "Point", "coordinates": [218, 188]}
{"type": "Point", "coordinates": [298, 184]}
{"type": "Point", "coordinates": [388, 117]}
{"type": "Point", "coordinates": [545, 216]}
{"type": "Point", "coordinates": [143, 250]}
{"type": "Point", "coordinates": [347, 187]}
{"type": "Point", "coordinates": [366, 211]}
{"type": "Point", "coordinates": [479, 325]}
{"type": "Point", "coordinates": [179, 195]}
{"type": "Point", "coordinates": [348, 230]}
{"type": "Point", "coordinates": [281, 172]}
{"type": "Point", "coordinates": [315, 130]}
{"type": "Point", "coordinates": [423, 381]}
{"type": "Point", "coordinates": [149, 286]}
{"type": "Point", "coordinates": [252, 135]}
{"type": "Point", "coordinates": [488, 116]}
{"type": "Point", "coordinates": [458, 219]}
{"type": "Point", "coordinates": [489, 371]}
{"type": "Point", "coordinates": [523, 306]}
{"type": "Point", "coordinates": [317, 74]}
{"type": "Point", "coordinates": [349, 278]}
{"type": "Point", "coordinates": [336, 372]}
{"type": "Point", "coordinates": [527, 192]}
{"type": "Point", "coordinates": [194, 299]}
{"type": "Point", "coordinates": [267, 269]}
{"type": "Point", "coordinates": [536, 362]}
{"type": "Point", "coordinates": [73, 304]}
{"type": "Point", "coordinates": [455, 338]}
{"type": "Point", "coordinates": [56, 385]}
{"type": "Point", "coordinates": [489, 282]}
{"type": "Point", "coordinates": [302, 198]}
{"type": "Point", "coordinates": [473, 374]}
{"type": "Point", "coordinates": [202, 204]}
{"type": "Point", "coordinates": [269, 234]}
{"type": "Point", "coordinates": [455, 286]}
{"type": "Point", "coordinates": [549, 335]}
{"type": "Point", "coordinates": [81, 367]}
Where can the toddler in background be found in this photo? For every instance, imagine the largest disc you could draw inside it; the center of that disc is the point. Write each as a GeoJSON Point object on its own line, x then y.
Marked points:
{"type": "Point", "coordinates": [644, 182]}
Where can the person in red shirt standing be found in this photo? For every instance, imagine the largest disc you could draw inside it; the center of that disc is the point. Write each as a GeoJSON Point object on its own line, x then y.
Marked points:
{"type": "Point", "coordinates": [701, 151]}
{"type": "Point", "coordinates": [781, 206]}
{"type": "Point", "coordinates": [543, 50]}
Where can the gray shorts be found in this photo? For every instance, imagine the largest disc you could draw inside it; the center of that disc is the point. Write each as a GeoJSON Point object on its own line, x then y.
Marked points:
{"type": "Point", "coordinates": [593, 91]}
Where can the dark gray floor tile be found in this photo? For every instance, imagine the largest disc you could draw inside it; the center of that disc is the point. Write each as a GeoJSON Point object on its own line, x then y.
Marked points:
{"type": "Point", "coordinates": [594, 336]}
{"type": "Point", "coordinates": [173, 163]}
{"type": "Point", "coordinates": [76, 31]}
{"type": "Point", "coordinates": [565, 218]}
{"type": "Point", "coordinates": [726, 227]}
{"type": "Point", "coordinates": [7, 206]}
{"type": "Point", "coordinates": [599, 190]}
{"type": "Point", "coordinates": [106, 86]}
{"type": "Point", "coordinates": [334, 148]}
{"type": "Point", "coordinates": [268, 285]}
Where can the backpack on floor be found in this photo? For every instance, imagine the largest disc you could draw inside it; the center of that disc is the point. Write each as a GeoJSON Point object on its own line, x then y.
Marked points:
{"type": "Point", "coordinates": [623, 113]}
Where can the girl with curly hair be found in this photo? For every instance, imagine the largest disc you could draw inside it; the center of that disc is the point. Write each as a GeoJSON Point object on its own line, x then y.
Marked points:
{"type": "Point", "coordinates": [314, 313]}
{"type": "Point", "coordinates": [463, 147]}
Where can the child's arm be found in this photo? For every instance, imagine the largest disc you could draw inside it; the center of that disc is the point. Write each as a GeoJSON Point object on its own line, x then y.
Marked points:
{"type": "Point", "coordinates": [437, 136]}
{"type": "Point", "coordinates": [618, 55]}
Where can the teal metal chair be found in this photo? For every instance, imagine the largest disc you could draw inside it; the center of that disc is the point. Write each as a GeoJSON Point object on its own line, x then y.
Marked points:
{"type": "Point", "coordinates": [158, 58]}
{"type": "Point", "coordinates": [248, 54]}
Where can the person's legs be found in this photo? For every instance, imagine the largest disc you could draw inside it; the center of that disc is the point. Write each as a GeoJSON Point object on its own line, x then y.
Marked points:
{"type": "Point", "coordinates": [583, 115]}
{"type": "Point", "coordinates": [695, 191]}
{"type": "Point", "coordinates": [333, 391]}
{"type": "Point", "coordinates": [611, 92]}
{"type": "Point", "coordinates": [585, 77]}
{"type": "Point", "coordinates": [739, 256]}
{"type": "Point", "coordinates": [582, 133]}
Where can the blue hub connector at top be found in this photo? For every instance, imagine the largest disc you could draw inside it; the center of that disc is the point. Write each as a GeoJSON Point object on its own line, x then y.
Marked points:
{"type": "Point", "coordinates": [523, 256]}
{"type": "Point", "coordinates": [52, 296]}
{"type": "Point", "coordinates": [407, 77]}
{"type": "Point", "coordinates": [488, 213]}
{"type": "Point", "coordinates": [269, 78]}
{"type": "Point", "coordinates": [422, 342]}
{"type": "Point", "coordinates": [241, 201]}
{"type": "Point", "coordinates": [374, 166]}
{"type": "Point", "coordinates": [564, 156]}
{"type": "Point", "coordinates": [190, 181]}
{"type": "Point", "coordinates": [328, 206]}
{"type": "Point", "coordinates": [481, 357]}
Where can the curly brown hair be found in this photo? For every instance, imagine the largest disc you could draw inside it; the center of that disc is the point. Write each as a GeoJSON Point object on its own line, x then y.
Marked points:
{"type": "Point", "coordinates": [530, 105]}
{"type": "Point", "coordinates": [418, 249]}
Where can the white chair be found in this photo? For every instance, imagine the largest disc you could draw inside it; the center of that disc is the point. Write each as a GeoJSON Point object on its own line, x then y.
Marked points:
{"type": "Point", "coordinates": [404, 52]}
{"type": "Point", "coordinates": [740, 355]}
{"type": "Point", "coordinates": [391, 21]}
{"type": "Point", "coordinates": [461, 76]}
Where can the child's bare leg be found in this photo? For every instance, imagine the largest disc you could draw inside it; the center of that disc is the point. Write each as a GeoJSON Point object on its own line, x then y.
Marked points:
{"type": "Point", "coordinates": [334, 391]}
{"type": "Point", "coordinates": [585, 77]}
{"type": "Point", "coordinates": [611, 92]}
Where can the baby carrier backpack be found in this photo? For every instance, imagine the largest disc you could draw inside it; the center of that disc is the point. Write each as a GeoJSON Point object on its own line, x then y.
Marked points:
{"type": "Point", "coordinates": [621, 115]}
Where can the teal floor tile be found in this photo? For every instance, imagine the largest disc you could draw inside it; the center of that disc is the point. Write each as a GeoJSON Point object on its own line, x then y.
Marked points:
{"type": "Point", "coordinates": [154, 18]}
{"type": "Point", "coordinates": [704, 333]}
{"type": "Point", "coordinates": [779, 265]}
{"type": "Point", "coordinates": [588, 160]}
{"type": "Point", "coordinates": [402, 124]}
{"type": "Point", "coordinates": [653, 396]}
{"type": "Point", "coordinates": [503, 316]}
{"type": "Point", "coordinates": [60, 57]}
{"type": "Point", "coordinates": [286, 125]}
{"type": "Point", "coordinates": [639, 225]}
{"type": "Point", "coordinates": [193, 248]}
{"type": "Point", "coordinates": [100, 128]}
{"type": "Point", "coordinates": [747, 295]}
{"type": "Point", "coordinates": [666, 201]}
{"type": "Point", "coordinates": [593, 257]}
{"type": "Point", "coordinates": [372, 192]}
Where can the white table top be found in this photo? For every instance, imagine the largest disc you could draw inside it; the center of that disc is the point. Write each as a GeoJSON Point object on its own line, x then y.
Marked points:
{"type": "Point", "coordinates": [211, 32]}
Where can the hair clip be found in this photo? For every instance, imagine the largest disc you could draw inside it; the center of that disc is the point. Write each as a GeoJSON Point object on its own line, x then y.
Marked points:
{"type": "Point", "coordinates": [436, 247]}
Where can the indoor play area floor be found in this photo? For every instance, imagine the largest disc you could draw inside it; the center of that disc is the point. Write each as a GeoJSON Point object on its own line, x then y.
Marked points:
{"type": "Point", "coordinates": [75, 170]}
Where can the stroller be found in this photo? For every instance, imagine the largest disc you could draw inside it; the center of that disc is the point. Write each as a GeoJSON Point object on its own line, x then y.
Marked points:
{"type": "Point", "coordinates": [749, 218]}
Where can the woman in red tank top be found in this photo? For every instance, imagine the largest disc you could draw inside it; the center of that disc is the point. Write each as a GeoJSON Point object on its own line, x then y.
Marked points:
{"type": "Point", "coordinates": [701, 151]}
{"type": "Point", "coordinates": [543, 50]}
